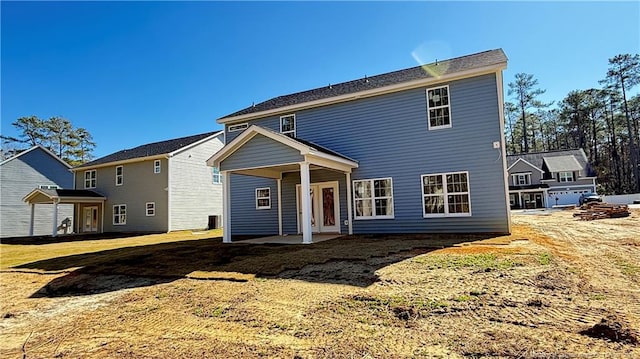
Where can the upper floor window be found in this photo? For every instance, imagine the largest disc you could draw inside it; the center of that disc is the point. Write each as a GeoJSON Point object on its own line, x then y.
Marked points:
{"type": "Point", "coordinates": [119, 176]}
{"type": "Point", "coordinates": [521, 179]}
{"type": "Point", "coordinates": [90, 179]}
{"type": "Point", "coordinates": [217, 177]}
{"type": "Point", "coordinates": [263, 198]}
{"type": "Point", "coordinates": [237, 127]}
{"type": "Point", "coordinates": [373, 198]}
{"type": "Point", "coordinates": [446, 194]}
{"type": "Point", "coordinates": [288, 125]}
{"type": "Point", "coordinates": [438, 109]}
{"type": "Point", "coordinates": [156, 166]}
{"type": "Point", "coordinates": [565, 177]}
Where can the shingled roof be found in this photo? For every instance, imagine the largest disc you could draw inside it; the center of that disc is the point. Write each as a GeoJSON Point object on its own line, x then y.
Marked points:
{"type": "Point", "coordinates": [567, 158]}
{"type": "Point", "coordinates": [433, 70]}
{"type": "Point", "coordinates": [148, 150]}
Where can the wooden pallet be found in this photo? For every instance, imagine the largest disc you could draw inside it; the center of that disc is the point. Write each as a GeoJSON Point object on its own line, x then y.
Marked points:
{"type": "Point", "coordinates": [598, 210]}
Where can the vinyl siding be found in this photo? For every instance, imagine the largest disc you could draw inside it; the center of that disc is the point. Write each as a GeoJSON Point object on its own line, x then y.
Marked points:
{"type": "Point", "coordinates": [388, 137]}
{"type": "Point", "coordinates": [140, 185]}
{"type": "Point", "coordinates": [261, 151]}
{"type": "Point", "coordinates": [194, 196]}
{"type": "Point", "coordinates": [245, 218]}
{"type": "Point", "coordinates": [22, 175]}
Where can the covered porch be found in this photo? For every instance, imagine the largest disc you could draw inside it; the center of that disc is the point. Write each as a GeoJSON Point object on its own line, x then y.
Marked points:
{"type": "Point", "coordinates": [262, 153]}
{"type": "Point", "coordinates": [54, 197]}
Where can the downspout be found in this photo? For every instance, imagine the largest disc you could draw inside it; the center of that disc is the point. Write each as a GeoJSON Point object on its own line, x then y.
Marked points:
{"type": "Point", "coordinates": [169, 193]}
{"type": "Point", "coordinates": [503, 151]}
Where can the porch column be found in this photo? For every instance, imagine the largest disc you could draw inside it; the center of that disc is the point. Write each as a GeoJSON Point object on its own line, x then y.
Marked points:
{"type": "Point", "coordinates": [55, 218]}
{"type": "Point", "coordinates": [349, 219]}
{"type": "Point", "coordinates": [226, 207]}
{"type": "Point", "coordinates": [306, 203]}
{"type": "Point", "coordinates": [101, 218]}
{"type": "Point", "coordinates": [279, 183]}
{"type": "Point", "coordinates": [522, 206]}
{"type": "Point", "coordinates": [32, 219]}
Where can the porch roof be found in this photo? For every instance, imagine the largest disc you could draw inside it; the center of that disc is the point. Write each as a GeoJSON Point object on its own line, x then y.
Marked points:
{"type": "Point", "coordinates": [40, 195]}
{"type": "Point", "coordinates": [317, 156]}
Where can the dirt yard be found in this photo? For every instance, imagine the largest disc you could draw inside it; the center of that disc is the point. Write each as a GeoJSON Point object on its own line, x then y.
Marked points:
{"type": "Point", "coordinates": [556, 288]}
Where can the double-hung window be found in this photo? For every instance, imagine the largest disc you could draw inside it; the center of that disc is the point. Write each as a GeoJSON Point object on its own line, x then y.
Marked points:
{"type": "Point", "coordinates": [521, 179]}
{"type": "Point", "coordinates": [565, 177]}
{"type": "Point", "coordinates": [150, 209]}
{"type": "Point", "coordinates": [446, 194]}
{"type": "Point", "coordinates": [216, 176]}
{"type": "Point", "coordinates": [263, 198]}
{"type": "Point", "coordinates": [90, 179]}
{"type": "Point", "coordinates": [288, 125]}
{"type": "Point", "coordinates": [373, 198]}
{"type": "Point", "coordinates": [438, 108]}
{"type": "Point", "coordinates": [120, 214]}
{"type": "Point", "coordinates": [119, 176]}
{"type": "Point", "coordinates": [156, 166]}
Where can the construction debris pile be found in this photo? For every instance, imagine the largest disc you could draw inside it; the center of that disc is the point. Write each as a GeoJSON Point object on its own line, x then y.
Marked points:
{"type": "Point", "coordinates": [598, 210]}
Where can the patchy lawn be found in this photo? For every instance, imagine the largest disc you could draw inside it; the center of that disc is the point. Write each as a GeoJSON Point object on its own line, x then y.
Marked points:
{"type": "Point", "coordinates": [557, 287]}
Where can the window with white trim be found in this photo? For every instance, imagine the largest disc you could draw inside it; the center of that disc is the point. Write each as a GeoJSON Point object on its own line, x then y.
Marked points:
{"type": "Point", "coordinates": [373, 198]}
{"type": "Point", "coordinates": [150, 208]}
{"type": "Point", "coordinates": [216, 176]}
{"type": "Point", "coordinates": [90, 178]}
{"type": "Point", "coordinates": [119, 214]}
{"type": "Point", "coordinates": [119, 176]}
{"type": "Point", "coordinates": [288, 125]}
{"type": "Point", "coordinates": [446, 194]}
{"type": "Point", "coordinates": [237, 127]}
{"type": "Point", "coordinates": [565, 176]}
{"type": "Point", "coordinates": [156, 166]}
{"type": "Point", "coordinates": [263, 198]}
{"type": "Point", "coordinates": [521, 179]}
{"type": "Point", "coordinates": [438, 109]}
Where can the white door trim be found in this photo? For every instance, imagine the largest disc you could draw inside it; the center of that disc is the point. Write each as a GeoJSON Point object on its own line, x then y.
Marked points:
{"type": "Point", "coordinates": [318, 210]}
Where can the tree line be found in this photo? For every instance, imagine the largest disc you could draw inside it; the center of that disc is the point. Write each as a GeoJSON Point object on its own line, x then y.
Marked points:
{"type": "Point", "coordinates": [73, 145]}
{"type": "Point", "coordinates": [603, 121]}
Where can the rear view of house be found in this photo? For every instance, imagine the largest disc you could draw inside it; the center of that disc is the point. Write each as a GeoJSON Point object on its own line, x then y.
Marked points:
{"type": "Point", "coordinates": [547, 179]}
{"type": "Point", "coordinates": [157, 187]}
{"type": "Point", "coordinates": [414, 150]}
{"type": "Point", "coordinates": [35, 168]}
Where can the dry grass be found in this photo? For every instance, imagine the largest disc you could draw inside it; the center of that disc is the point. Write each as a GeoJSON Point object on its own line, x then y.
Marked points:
{"type": "Point", "coordinates": [528, 295]}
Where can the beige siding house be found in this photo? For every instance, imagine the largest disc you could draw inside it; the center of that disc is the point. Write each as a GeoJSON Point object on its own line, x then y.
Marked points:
{"type": "Point", "coordinates": [157, 187]}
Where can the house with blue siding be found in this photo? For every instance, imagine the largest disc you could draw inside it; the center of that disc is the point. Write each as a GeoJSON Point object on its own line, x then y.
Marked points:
{"type": "Point", "coordinates": [35, 168]}
{"type": "Point", "coordinates": [419, 150]}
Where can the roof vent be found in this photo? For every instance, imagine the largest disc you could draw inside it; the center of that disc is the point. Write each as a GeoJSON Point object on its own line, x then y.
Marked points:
{"type": "Point", "coordinates": [366, 79]}
{"type": "Point", "coordinates": [330, 86]}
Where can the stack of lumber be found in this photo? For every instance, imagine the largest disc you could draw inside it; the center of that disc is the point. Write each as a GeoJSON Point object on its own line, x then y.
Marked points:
{"type": "Point", "coordinates": [597, 210]}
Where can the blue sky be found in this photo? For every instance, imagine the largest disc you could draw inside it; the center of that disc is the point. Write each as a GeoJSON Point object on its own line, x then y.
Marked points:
{"type": "Point", "coordinates": [139, 72]}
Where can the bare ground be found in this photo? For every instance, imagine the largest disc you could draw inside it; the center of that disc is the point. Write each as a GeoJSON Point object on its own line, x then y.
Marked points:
{"type": "Point", "coordinates": [556, 288]}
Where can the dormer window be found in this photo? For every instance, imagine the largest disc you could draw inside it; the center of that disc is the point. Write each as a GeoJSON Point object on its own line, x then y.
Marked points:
{"type": "Point", "coordinates": [521, 179]}
{"type": "Point", "coordinates": [438, 109]}
{"type": "Point", "coordinates": [288, 125]}
{"type": "Point", "coordinates": [565, 177]}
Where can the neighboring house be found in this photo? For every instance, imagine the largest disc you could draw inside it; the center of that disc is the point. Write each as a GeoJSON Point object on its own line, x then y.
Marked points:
{"type": "Point", "coordinates": [415, 150]}
{"type": "Point", "coordinates": [546, 179]}
{"type": "Point", "coordinates": [157, 187]}
{"type": "Point", "coordinates": [35, 168]}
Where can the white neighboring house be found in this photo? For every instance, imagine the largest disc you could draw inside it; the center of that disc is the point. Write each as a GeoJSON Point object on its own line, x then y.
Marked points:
{"type": "Point", "coordinates": [35, 168]}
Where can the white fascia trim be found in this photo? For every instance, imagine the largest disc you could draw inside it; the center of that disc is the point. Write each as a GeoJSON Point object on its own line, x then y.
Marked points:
{"type": "Point", "coordinates": [330, 161]}
{"type": "Point", "coordinates": [194, 144]}
{"type": "Point", "coordinates": [564, 188]}
{"type": "Point", "coordinates": [244, 137]}
{"type": "Point", "coordinates": [526, 162]}
{"type": "Point", "coordinates": [33, 148]}
{"type": "Point", "coordinates": [116, 163]}
{"type": "Point", "coordinates": [369, 93]}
